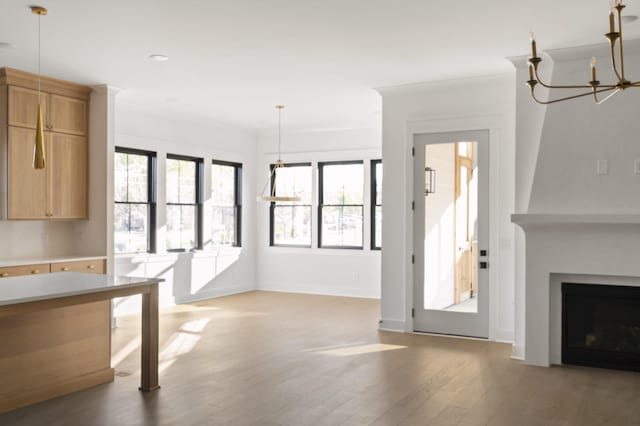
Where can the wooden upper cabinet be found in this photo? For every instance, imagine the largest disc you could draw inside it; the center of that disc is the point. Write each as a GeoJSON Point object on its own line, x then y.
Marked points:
{"type": "Point", "coordinates": [23, 107]}
{"type": "Point", "coordinates": [60, 190]}
{"type": "Point", "coordinates": [67, 115]}
{"type": "Point", "coordinates": [67, 176]}
{"type": "Point", "coordinates": [27, 187]}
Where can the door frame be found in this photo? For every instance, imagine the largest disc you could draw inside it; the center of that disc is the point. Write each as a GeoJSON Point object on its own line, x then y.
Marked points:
{"type": "Point", "coordinates": [440, 321]}
{"type": "Point", "coordinates": [491, 122]}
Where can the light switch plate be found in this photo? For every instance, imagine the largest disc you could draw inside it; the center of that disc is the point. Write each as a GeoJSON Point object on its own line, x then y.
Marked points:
{"type": "Point", "coordinates": [636, 166]}
{"type": "Point", "coordinates": [602, 167]}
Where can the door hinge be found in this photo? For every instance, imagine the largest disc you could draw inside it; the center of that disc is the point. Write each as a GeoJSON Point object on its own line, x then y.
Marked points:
{"type": "Point", "coordinates": [413, 205]}
{"type": "Point", "coordinates": [413, 258]}
{"type": "Point", "coordinates": [413, 152]}
{"type": "Point", "coordinates": [413, 312]}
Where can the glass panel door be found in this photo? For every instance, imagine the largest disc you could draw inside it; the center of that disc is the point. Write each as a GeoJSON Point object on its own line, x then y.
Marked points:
{"type": "Point", "coordinates": [450, 221]}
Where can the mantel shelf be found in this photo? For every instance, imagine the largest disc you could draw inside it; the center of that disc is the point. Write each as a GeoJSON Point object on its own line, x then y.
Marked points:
{"type": "Point", "coordinates": [524, 219]}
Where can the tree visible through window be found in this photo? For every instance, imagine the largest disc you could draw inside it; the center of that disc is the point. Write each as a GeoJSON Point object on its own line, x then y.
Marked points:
{"type": "Point", "coordinates": [134, 210]}
{"type": "Point", "coordinates": [184, 203]}
{"type": "Point", "coordinates": [341, 204]}
{"type": "Point", "coordinates": [291, 220]}
{"type": "Point", "coordinates": [226, 201]}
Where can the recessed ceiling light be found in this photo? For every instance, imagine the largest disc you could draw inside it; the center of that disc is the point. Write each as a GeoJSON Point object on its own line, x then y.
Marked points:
{"type": "Point", "coordinates": [629, 18]}
{"type": "Point", "coordinates": [4, 45]}
{"type": "Point", "coordinates": [158, 58]}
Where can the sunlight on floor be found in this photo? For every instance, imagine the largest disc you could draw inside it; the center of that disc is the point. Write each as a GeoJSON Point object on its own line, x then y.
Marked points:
{"type": "Point", "coordinates": [126, 351]}
{"type": "Point", "coordinates": [360, 349]}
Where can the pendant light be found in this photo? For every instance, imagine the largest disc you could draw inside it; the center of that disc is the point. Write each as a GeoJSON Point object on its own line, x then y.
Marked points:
{"type": "Point", "coordinates": [272, 197]}
{"type": "Point", "coordinates": [39, 160]}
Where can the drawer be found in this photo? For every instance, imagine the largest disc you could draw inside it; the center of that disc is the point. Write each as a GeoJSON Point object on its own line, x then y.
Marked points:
{"type": "Point", "coordinates": [14, 271]}
{"type": "Point", "coordinates": [89, 266]}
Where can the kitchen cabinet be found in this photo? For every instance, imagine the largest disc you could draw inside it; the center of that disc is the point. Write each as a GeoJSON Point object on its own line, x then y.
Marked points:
{"type": "Point", "coordinates": [60, 190]}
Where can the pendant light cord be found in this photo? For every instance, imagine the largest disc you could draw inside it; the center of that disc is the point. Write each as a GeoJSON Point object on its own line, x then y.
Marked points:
{"type": "Point", "coordinates": [279, 131]}
{"type": "Point", "coordinates": [39, 41]}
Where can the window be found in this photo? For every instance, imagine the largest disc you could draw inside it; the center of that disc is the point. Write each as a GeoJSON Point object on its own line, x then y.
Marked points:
{"type": "Point", "coordinates": [135, 204]}
{"type": "Point", "coordinates": [226, 200]}
{"type": "Point", "coordinates": [341, 204]}
{"type": "Point", "coordinates": [290, 222]}
{"type": "Point", "coordinates": [184, 203]}
{"type": "Point", "coordinates": [376, 204]}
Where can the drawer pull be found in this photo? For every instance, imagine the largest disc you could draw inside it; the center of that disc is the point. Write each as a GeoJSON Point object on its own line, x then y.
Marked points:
{"type": "Point", "coordinates": [91, 267]}
{"type": "Point", "coordinates": [4, 275]}
{"type": "Point", "coordinates": [65, 269]}
{"type": "Point", "coordinates": [35, 271]}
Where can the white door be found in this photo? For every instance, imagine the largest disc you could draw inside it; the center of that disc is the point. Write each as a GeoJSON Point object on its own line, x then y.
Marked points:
{"type": "Point", "coordinates": [451, 233]}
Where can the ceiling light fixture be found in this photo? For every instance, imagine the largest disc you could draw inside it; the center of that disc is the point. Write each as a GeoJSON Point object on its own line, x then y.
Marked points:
{"type": "Point", "coordinates": [39, 161]}
{"type": "Point", "coordinates": [273, 197]}
{"type": "Point", "coordinates": [158, 58]}
{"type": "Point", "coordinates": [594, 85]}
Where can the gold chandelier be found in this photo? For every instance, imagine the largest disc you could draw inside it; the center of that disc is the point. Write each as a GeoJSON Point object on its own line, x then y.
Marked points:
{"type": "Point", "coordinates": [594, 86]}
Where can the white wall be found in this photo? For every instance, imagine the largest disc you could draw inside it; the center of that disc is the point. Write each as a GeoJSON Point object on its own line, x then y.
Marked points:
{"type": "Point", "coordinates": [439, 226]}
{"type": "Point", "coordinates": [314, 270]}
{"type": "Point", "coordinates": [468, 104]}
{"type": "Point", "coordinates": [214, 271]}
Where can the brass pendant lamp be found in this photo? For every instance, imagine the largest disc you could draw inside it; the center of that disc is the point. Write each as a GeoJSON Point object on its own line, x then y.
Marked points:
{"type": "Point", "coordinates": [272, 196]}
{"type": "Point", "coordinates": [39, 161]}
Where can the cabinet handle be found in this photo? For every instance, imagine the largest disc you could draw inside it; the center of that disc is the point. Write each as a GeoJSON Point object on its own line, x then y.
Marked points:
{"type": "Point", "coordinates": [91, 267]}
{"type": "Point", "coordinates": [65, 269]}
{"type": "Point", "coordinates": [4, 275]}
{"type": "Point", "coordinates": [35, 271]}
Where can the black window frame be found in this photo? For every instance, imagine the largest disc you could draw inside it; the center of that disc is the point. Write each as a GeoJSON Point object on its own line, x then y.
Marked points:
{"type": "Point", "coordinates": [321, 204]}
{"type": "Point", "coordinates": [237, 193]}
{"type": "Point", "coordinates": [272, 207]}
{"type": "Point", "coordinates": [374, 203]}
{"type": "Point", "coordinates": [198, 201]}
{"type": "Point", "coordinates": [152, 161]}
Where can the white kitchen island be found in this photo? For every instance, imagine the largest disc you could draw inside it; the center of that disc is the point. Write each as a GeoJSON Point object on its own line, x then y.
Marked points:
{"type": "Point", "coordinates": [39, 360]}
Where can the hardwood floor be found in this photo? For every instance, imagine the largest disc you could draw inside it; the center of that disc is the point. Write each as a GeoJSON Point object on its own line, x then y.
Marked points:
{"type": "Point", "coordinates": [286, 359]}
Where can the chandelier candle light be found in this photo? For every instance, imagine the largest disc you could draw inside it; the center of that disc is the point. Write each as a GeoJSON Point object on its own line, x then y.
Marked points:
{"type": "Point", "coordinates": [39, 161]}
{"type": "Point", "coordinates": [273, 197]}
{"type": "Point", "coordinates": [594, 86]}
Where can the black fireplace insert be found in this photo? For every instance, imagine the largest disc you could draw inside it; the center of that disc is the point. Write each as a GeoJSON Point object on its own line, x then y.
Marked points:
{"type": "Point", "coordinates": [601, 326]}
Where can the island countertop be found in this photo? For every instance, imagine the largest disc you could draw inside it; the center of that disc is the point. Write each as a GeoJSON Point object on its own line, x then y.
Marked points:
{"type": "Point", "coordinates": [33, 288]}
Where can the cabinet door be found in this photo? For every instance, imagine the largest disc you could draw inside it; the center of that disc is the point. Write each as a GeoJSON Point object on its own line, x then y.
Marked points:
{"type": "Point", "coordinates": [67, 115]}
{"type": "Point", "coordinates": [67, 176]}
{"type": "Point", "coordinates": [27, 187]}
{"type": "Point", "coordinates": [23, 107]}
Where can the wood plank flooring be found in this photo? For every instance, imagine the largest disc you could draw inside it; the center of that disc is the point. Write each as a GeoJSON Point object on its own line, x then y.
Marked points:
{"type": "Point", "coordinates": [265, 358]}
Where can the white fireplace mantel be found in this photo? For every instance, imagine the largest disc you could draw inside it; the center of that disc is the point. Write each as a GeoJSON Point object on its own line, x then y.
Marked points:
{"type": "Point", "coordinates": [589, 248]}
{"type": "Point", "coordinates": [525, 219]}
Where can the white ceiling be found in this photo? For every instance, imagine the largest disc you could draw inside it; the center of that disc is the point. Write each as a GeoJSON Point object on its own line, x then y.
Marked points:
{"type": "Point", "coordinates": [232, 61]}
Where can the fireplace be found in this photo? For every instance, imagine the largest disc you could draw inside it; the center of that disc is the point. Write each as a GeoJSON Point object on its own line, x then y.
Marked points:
{"type": "Point", "coordinates": [601, 326]}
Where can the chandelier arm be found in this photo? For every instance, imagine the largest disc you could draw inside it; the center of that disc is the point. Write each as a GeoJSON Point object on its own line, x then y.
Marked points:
{"type": "Point", "coordinates": [601, 101]}
{"type": "Point", "coordinates": [549, 86]}
{"type": "Point", "coordinates": [533, 95]}
{"type": "Point", "coordinates": [619, 7]}
{"type": "Point", "coordinates": [613, 59]}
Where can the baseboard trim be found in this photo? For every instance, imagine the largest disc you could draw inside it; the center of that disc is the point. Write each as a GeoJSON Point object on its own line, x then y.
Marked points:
{"type": "Point", "coordinates": [199, 297]}
{"type": "Point", "coordinates": [397, 326]}
{"type": "Point", "coordinates": [322, 291]}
